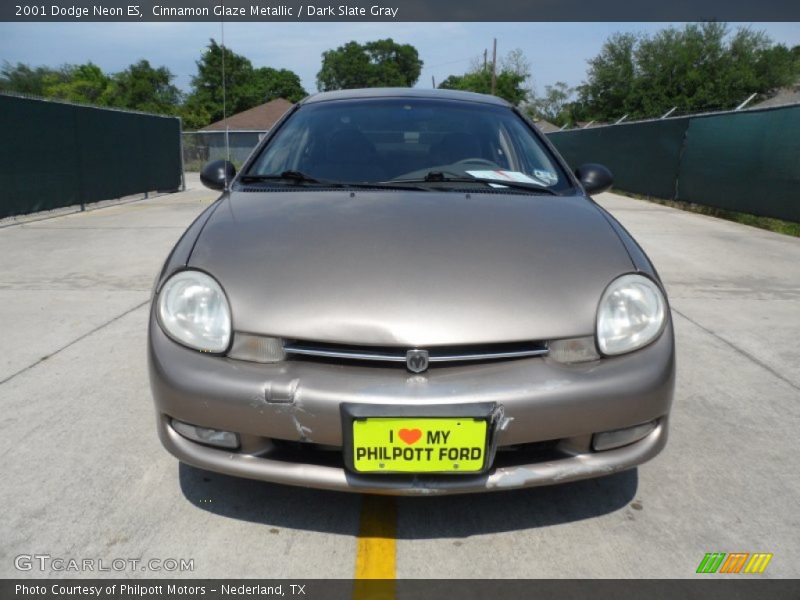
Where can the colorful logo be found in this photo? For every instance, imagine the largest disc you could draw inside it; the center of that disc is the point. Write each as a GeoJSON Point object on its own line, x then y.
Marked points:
{"type": "Point", "coordinates": [734, 562]}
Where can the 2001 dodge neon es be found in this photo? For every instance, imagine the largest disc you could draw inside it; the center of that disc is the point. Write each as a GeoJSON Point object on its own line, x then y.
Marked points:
{"type": "Point", "coordinates": [408, 292]}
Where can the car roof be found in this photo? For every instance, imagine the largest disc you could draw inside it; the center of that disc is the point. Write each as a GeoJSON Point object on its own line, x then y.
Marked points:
{"type": "Point", "coordinates": [404, 93]}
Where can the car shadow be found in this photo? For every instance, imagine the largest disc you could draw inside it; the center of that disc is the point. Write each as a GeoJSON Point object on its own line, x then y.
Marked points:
{"type": "Point", "coordinates": [458, 516]}
{"type": "Point", "coordinates": [513, 510]}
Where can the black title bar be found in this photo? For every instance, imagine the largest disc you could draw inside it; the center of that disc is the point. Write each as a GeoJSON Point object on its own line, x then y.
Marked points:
{"type": "Point", "coordinates": [399, 10]}
{"type": "Point", "coordinates": [708, 588]}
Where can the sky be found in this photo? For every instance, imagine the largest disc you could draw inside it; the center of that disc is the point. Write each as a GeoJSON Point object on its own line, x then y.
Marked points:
{"type": "Point", "coordinates": [556, 51]}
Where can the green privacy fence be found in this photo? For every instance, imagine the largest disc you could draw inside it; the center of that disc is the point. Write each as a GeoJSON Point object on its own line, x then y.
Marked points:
{"type": "Point", "coordinates": [746, 161]}
{"type": "Point", "coordinates": [54, 154]}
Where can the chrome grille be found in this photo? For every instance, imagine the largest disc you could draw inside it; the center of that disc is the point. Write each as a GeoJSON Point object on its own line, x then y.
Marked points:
{"type": "Point", "coordinates": [396, 354]}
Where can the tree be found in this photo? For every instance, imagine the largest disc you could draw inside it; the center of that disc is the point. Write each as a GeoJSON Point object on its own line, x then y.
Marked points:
{"type": "Point", "coordinates": [245, 86]}
{"type": "Point", "coordinates": [382, 63]}
{"type": "Point", "coordinates": [509, 85]}
{"type": "Point", "coordinates": [272, 83]}
{"type": "Point", "coordinates": [610, 77]}
{"type": "Point", "coordinates": [516, 62]}
{"type": "Point", "coordinates": [699, 67]}
{"type": "Point", "coordinates": [78, 83]}
{"type": "Point", "coordinates": [141, 87]}
{"type": "Point", "coordinates": [23, 79]}
{"type": "Point", "coordinates": [150, 89]}
{"type": "Point", "coordinates": [511, 79]}
{"type": "Point", "coordinates": [553, 106]}
{"type": "Point", "coordinates": [208, 86]}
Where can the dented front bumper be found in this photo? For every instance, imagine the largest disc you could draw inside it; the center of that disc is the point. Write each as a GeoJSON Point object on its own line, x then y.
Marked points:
{"type": "Point", "coordinates": [298, 402]}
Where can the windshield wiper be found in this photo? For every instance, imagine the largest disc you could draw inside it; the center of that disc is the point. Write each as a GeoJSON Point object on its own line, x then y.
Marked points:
{"type": "Point", "coordinates": [439, 177]}
{"type": "Point", "coordinates": [295, 176]}
{"type": "Point", "coordinates": [299, 177]}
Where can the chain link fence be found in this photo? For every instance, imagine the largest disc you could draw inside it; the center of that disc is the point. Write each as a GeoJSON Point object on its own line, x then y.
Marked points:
{"type": "Point", "coordinates": [200, 147]}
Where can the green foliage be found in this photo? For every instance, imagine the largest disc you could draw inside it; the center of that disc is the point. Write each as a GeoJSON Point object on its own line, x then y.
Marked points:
{"type": "Point", "coordinates": [382, 63]}
{"type": "Point", "coordinates": [553, 106]}
{"type": "Point", "coordinates": [79, 83]}
{"type": "Point", "coordinates": [141, 87]}
{"type": "Point", "coordinates": [611, 78]}
{"type": "Point", "coordinates": [245, 86]}
{"type": "Point", "coordinates": [210, 94]}
{"type": "Point", "coordinates": [512, 75]}
{"type": "Point", "coordinates": [697, 68]}
{"type": "Point", "coordinates": [277, 83]}
{"type": "Point", "coordinates": [150, 89]}
{"type": "Point", "coordinates": [193, 117]}
{"type": "Point", "coordinates": [509, 85]}
{"type": "Point", "coordinates": [22, 79]}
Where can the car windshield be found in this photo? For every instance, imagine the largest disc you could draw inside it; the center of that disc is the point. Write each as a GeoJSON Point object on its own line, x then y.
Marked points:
{"type": "Point", "coordinates": [411, 139]}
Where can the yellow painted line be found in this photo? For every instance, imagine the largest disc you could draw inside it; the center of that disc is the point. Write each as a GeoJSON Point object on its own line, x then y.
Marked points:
{"type": "Point", "coordinates": [376, 549]}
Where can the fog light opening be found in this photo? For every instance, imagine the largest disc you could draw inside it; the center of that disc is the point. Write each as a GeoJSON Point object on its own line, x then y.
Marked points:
{"type": "Point", "coordinates": [206, 435]}
{"type": "Point", "coordinates": [609, 440]}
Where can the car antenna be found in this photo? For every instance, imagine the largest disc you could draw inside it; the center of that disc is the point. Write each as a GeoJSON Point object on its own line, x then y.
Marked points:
{"type": "Point", "coordinates": [224, 103]}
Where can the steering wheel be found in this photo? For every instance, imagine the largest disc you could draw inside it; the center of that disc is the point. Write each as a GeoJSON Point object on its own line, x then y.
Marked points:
{"type": "Point", "coordinates": [477, 161]}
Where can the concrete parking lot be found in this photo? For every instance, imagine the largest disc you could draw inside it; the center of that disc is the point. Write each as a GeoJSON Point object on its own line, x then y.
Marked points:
{"type": "Point", "coordinates": [84, 476]}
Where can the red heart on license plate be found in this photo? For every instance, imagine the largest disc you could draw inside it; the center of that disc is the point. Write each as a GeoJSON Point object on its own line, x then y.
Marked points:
{"type": "Point", "coordinates": [409, 436]}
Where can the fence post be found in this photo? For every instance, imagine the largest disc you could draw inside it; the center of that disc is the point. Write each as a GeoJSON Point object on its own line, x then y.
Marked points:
{"type": "Point", "coordinates": [183, 164]}
{"type": "Point", "coordinates": [746, 102]}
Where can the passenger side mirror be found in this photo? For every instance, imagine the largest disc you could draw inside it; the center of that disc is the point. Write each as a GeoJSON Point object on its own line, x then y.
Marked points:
{"type": "Point", "coordinates": [594, 178]}
{"type": "Point", "coordinates": [217, 174]}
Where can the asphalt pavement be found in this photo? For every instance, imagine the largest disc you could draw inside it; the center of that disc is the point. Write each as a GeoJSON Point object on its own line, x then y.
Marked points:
{"type": "Point", "coordinates": [84, 476]}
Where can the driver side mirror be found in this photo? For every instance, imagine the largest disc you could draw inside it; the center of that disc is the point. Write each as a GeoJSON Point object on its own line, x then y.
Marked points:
{"type": "Point", "coordinates": [594, 178]}
{"type": "Point", "coordinates": [217, 174]}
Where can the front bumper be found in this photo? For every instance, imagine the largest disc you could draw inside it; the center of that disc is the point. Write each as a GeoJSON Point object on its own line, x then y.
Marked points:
{"type": "Point", "coordinates": [299, 401]}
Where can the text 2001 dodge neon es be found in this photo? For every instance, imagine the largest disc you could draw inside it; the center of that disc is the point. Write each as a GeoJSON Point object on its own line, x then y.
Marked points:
{"type": "Point", "coordinates": [408, 292]}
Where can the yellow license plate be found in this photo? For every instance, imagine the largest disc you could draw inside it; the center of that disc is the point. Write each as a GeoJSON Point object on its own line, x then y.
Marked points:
{"type": "Point", "coordinates": [419, 445]}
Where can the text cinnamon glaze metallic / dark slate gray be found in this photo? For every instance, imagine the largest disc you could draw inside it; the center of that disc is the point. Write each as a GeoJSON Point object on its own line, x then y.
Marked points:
{"type": "Point", "coordinates": [416, 255]}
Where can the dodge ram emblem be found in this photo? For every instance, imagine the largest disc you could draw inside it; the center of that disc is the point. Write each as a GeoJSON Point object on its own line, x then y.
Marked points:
{"type": "Point", "coordinates": [417, 360]}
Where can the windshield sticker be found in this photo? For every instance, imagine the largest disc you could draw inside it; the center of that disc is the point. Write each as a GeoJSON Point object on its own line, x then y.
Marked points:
{"type": "Point", "coordinates": [501, 175]}
{"type": "Point", "coordinates": [547, 176]}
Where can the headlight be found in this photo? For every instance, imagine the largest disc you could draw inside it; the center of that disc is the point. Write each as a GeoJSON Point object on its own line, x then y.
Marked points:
{"type": "Point", "coordinates": [631, 314]}
{"type": "Point", "coordinates": [193, 310]}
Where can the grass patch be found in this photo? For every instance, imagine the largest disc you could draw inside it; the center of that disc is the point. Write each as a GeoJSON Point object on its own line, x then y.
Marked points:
{"type": "Point", "coordinates": [768, 223]}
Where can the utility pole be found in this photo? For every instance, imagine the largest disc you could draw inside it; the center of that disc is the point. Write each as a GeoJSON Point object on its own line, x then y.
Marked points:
{"type": "Point", "coordinates": [485, 52]}
{"type": "Point", "coordinates": [433, 81]}
{"type": "Point", "coordinates": [494, 67]}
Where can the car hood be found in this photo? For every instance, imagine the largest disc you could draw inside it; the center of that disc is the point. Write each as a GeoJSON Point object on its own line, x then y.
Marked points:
{"type": "Point", "coordinates": [410, 268]}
